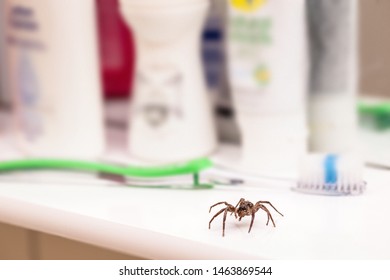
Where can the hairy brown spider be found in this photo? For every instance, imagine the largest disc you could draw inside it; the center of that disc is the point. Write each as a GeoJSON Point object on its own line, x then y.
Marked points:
{"type": "Point", "coordinates": [242, 209]}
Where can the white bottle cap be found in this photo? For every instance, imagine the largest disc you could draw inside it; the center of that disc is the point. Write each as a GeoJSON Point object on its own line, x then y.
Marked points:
{"type": "Point", "coordinates": [273, 145]}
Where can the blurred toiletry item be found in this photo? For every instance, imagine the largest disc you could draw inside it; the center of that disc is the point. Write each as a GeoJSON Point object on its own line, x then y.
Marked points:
{"type": "Point", "coordinates": [267, 57]}
{"type": "Point", "coordinates": [53, 71]}
{"type": "Point", "coordinates": [374, 130]}
{"type": "Point", "coordinates": [330, 174]}
{"type": "Point", "coordinates": [332, 115]}
{"type": "Point", "coordinates": [117, 53]}
{"type": "Point", "coordinates": [214, 59]}
{"type": "Point", "coordinates": [322, 174]}
{"type": "Point", "coordinates": [171, 118]}
{"type": "Point", "coordinates": [4, 98]}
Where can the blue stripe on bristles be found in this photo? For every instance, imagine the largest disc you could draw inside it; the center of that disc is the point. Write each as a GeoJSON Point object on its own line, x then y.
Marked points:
{"type": "Point", "coordinates": [330, 169]}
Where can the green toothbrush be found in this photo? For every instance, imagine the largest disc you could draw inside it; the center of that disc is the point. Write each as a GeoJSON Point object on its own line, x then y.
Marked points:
{"type": "Point", "coordinates": [192, 167]}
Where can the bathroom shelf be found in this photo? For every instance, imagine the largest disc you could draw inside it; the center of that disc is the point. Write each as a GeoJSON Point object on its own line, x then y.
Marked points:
{"type": "Point", "coordinates": [173, 224]}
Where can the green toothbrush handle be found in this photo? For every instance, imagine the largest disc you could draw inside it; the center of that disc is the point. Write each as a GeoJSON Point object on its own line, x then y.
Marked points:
{"type": "Point", "coordinates": [190, 167]}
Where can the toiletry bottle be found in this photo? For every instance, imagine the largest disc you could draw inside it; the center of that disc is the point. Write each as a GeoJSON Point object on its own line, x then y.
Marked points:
{"type": "Point", "coordinates": [53, 75]}
{"type": "Point", "coordinates": [267, 58]}
{"type": "Point", "coordinates": [3, 95]}
{"type": "Point", "coordinates": [117, 54]}
{"type": "Point", "coordinates": [334, 75]}
{"type": "Point", "coordinates": [171, 117]}
{"type": "Point", "coordinates": [215, 68]}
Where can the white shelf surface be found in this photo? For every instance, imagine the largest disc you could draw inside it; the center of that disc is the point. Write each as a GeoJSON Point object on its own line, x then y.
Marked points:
{"type": "Point", "coordinates": [173, 224]}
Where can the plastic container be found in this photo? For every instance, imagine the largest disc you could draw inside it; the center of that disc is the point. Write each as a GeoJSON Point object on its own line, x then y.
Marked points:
{"type": "Point", "coordinates": [215, 65]}
{"type": "Point", "coordinates": [267, 57]}
{"type": "Point", "coordinates": [117, 52]}
{"type": "Point", "coordinates": [4, 99]}
{"type": "Point", "coordinates": [54, 78]}
{"type": "Point", "coordinates": [333, 116]}
{"type": "Point", "coordinates": [171, 117]}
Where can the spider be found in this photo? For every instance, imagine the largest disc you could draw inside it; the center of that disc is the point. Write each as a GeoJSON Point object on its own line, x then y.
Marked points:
{"type": "Point", "coordinates": [242, 209]}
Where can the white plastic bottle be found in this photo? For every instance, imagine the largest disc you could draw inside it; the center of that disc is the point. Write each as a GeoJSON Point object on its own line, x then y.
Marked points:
{"type": "Point", "coordinates": [267, 57]}
{"type": "Point", "coordinates": [333, 26]}
{"type": "Point", "coordinates": [171, 117]}
{"type": "Point", "coordinates": [54, 77]}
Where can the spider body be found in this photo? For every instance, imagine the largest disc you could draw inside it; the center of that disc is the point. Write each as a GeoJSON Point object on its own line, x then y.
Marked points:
{"type": "Point", "coordinates": [242, 209]}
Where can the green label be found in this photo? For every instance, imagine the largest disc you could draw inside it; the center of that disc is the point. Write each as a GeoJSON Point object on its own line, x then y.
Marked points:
{"type": "Point", "coordinates": [251, 30]}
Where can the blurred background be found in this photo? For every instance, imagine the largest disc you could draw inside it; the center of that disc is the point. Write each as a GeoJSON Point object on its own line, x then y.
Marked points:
{"type": "Point", "coordinates": [135, 81]}
{"type": "Point", "coordinates": [374, 43]}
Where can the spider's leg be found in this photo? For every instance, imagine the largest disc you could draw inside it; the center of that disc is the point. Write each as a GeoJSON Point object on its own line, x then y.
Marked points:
{"type": "Point", "coordinates": [267, 202]}
{"type": "Point", "coordinates": [268, 215]}
{"type": "Point", "coordinates": [224, 220]}
{"type": "Point", "coordinates": [222, 202]}
{"type": "Point", "coordinates": [262, 207]}
{"type": "Point", "coordinates": [235, 208]}
{"type": "Point", "coordinates": [253, 218]}
{"type": "Point", "coordinates": [241, 200]}
{"type": "Point", "coordinates": [216, 216]}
